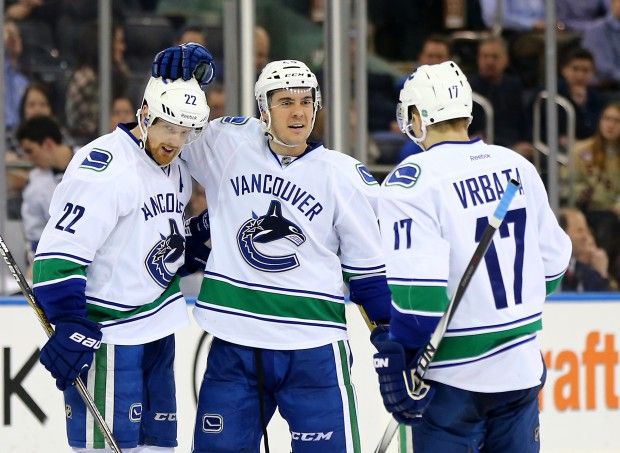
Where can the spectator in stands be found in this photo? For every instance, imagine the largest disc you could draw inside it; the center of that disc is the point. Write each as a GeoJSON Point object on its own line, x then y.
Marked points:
{"type": "Point", "coordinates": [193, 34]}
{"type": "Point", "coordinates": [82, 96]}
{"type": "Point", "coordinates": [579, 15]}
{"type": "Point", "coordinates": [21, 9]}
{"type": "Point", "coordinates": [34, 102]}
{"type": "Point", "coordinates": [597, 183]}
{"type": "Point", "coordinates": [15, 82]}
{"type": "Point", "coordinates": [41, 141]}
{"type": "Point", "coordinates": [262, 45]}
{"type": "Point", "coordinates": [603, 40]}
{"type": "Point", "coordinates": [216, 99]}
{"type": "Point", "coordinates": [577, 73]}
{"type": "Point", "coordinates": [504, 92]}
{"type": "Point", "coordinates": [597, 162]}
{"type": "Point", "coordinates": [587, 270]}
{"type": "Point", "coordinates": [122, 111]}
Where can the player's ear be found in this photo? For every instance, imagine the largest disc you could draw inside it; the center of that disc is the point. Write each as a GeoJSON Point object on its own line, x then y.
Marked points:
{"type": "Point", "coordinates": [144, 114]}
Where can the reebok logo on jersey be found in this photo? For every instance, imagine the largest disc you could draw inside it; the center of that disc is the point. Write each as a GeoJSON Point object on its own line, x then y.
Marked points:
{"type": "Point", "coordinates": [97, 160]}
{"type": "Point", "coordinates": [311, 437]}
{"type": "Point", "coordinates": [406, 175]}
{"type": "Point", "coordinates": [212, 423]}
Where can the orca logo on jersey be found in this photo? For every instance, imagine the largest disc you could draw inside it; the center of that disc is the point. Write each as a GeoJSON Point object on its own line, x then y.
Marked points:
{"type": "Point", "coordinates": [167, 250]}
{"type": "Point", "coordinates": [268, 228]}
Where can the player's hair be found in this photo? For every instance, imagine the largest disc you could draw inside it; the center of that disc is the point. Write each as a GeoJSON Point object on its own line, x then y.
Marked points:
{"type": "Point", "coordinates": [39, 128]}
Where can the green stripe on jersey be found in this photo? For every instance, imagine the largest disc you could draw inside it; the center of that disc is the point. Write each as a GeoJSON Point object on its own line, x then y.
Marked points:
{"type": "Point", "coordinates": [552, 285]}
{"type": "Point", "coordinates": [256, 301]}
{"type": "Point", "coordinates": [346, 378]}
{"type": "Point", "coordinates": [469, 346]}
{"type": "Point", "coordinates": [422, 298]}
{"type": "Point", "coordinates": [101, 374]}
{"type": "Point", "coordinates": [99, 313]}
{"type": "Point", "coordinates": [45, 270]}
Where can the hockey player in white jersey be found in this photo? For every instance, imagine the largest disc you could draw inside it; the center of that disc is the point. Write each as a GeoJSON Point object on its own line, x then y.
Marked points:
{"type": "Point", "coordinates": [290, 223]}
{"type": "Point", "coordinates": [105, 272]}
{"type": "Point", "coordinates": [435, 205]}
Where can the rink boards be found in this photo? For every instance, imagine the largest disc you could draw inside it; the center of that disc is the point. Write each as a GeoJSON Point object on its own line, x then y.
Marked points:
{"type": "Point", "coordinates": [580, 402]}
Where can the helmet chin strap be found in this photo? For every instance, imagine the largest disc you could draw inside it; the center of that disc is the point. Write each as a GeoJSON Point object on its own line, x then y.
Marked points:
{"type": "Point", "coordinates": [411, 135]}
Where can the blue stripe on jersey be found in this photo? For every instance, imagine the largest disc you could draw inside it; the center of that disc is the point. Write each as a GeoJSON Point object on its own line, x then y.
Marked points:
{"type": "Point", "coordinates": [105, 324]}
{"type": "Point", "coordinates": [363, 269]}
{"type": "Point", "coordinates": [483, 357]}
{"type": "Point", "coordinates": [65, 255]}
{"type": "Point", "coordinates": [551, 277]}
{"type": "Point", "coordinates": [276, 288]}
{"type": "Point", "coordinates": [417, 280]}
{"type": "Point", "coordinates": [493, 326]}
{"type": "Point", "coordinates": [113, 304]}
{"type": "Point", "coordinates": [261, 318]}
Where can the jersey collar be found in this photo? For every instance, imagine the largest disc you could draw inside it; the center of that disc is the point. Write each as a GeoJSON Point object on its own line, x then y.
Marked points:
{"type": "Point", "coordinates": [448, 142]}
{"type": "Point", "coordinates": [311, 147]}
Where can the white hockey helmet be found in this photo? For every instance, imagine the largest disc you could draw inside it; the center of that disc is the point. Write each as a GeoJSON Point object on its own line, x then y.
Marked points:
{"type": "Point", "coordinates": [180, 102]}
{"type": "Point", "coordinates": [440, 92]}
{"type": "Point", "coordinates": [284, 74]}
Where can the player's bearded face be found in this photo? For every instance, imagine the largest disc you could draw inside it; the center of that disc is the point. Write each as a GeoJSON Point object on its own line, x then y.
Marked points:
{"type": "Point", "coordinates": [291, 115]}
{"type": "Point", "coordinates": [164, 140]}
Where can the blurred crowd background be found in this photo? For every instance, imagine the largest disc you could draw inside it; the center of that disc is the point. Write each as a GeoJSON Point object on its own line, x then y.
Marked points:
{"type": "Point", "coordinates": [52, 102]}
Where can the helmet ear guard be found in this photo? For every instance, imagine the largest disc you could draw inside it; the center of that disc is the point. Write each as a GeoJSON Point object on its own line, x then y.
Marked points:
{"type": "Point", "coordinates": [440, 92]}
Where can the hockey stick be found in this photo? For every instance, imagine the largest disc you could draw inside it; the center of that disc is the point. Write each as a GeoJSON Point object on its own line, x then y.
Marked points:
{"type": "Point", "coordinates": [420, 387]}
{"type": "Point", "coordinates": [49, 330]}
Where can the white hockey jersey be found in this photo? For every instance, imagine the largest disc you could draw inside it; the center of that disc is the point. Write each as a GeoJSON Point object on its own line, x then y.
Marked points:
{"type": "Point", "coordinates": [36, 199]}
{"type": "Point", "coordinates": [117, 222]}
{"type": "Point", "coordinates": [283, 236]}
{"type": "Point", "coordinates": [434, 208]}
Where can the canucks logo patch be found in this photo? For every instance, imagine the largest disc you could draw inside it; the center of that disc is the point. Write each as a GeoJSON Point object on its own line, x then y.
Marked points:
{"type": "Point", "coordinates": [367, 177]}
{"type": "Point", "coordinates": [97, 160]}
{"type": "Point", "coordinates": [405, 175]}
{"type": "Point", "coordinates": [236, 120]}
{"type": "Point", "coordinates": [263, 230]}
{"type": "Point", "coordinates": [167, 250]}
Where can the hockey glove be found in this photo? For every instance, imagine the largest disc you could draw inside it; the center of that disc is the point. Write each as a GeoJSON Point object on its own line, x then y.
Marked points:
{"type": "Point", "coordinates": [186, 61]}
{"type": "Point", "coordinates": [394, 366]}
{"type": "Point", "coordinates": [197, 243]}
{"type": "Point", "coordinates": [70, 350]}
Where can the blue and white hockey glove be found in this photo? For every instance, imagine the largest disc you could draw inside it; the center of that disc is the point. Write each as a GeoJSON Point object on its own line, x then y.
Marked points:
{"type": "Point", "coordinates": [70, 350]}
{"type": "Point", "coordinates": [197, 243]}
{"type": "Point", "coordinates": [186, 61]}
{"type": "Point", "coordinates": [394, 366]}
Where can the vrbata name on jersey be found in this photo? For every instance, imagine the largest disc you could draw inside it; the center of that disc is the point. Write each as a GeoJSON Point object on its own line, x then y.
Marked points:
{"type": "Point", "coordinates": [485, 188]}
